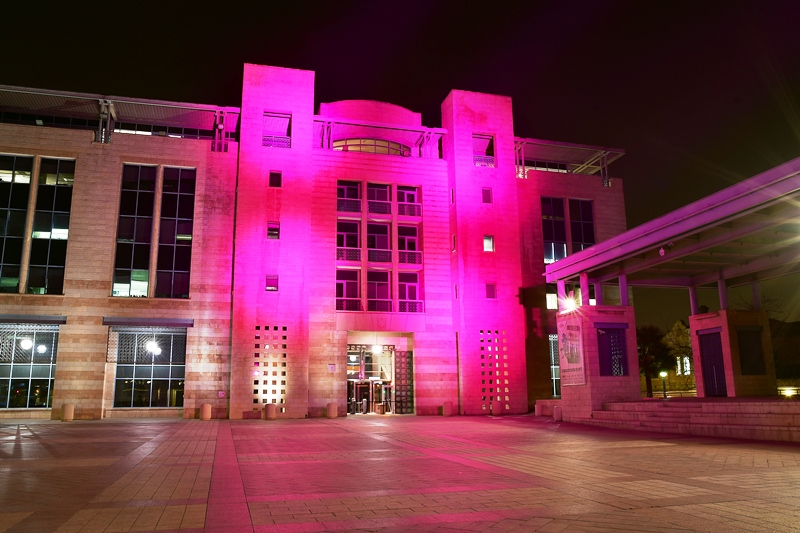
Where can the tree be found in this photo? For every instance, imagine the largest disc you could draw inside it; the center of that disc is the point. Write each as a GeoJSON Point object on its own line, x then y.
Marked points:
{"type": "Point", "coordinates": [679, 342]}
{"type": "Point", "coordinates": [654, 356]}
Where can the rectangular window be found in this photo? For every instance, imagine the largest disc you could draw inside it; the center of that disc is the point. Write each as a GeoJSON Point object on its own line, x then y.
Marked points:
{"type": "Point", "coordinates": [612, 351]}
{"type": "Point", "coordinates": [486, 196]}
{"type": "Point", "coordinates": [452, 196]}
{"type": "Point", "coordinates": [27, 364]}
{"type": "Point", "coordinates": [15, 179]}
{"type": "Point", "coordinates": [408, 201]}
{"type": "Point", "coordinates": [555, 364]}
{"type": "Point", "coordinates": [273, 230]}
{"type": "Point", "coordinates": [581, 224]}
{"type": "Point", "coordinates": [378, 243]}
{"type": "Point", "coordinates": [272, 282]}
{"type": "Point", "coordinates": [277, 130]}
{"type": "Point", "coordinates": [454, 243]}
{"type": "Point", "coordinates": [348, 296]}
{"type": "Point", "coordinates": [408, 292]}
{"type": "Point", "coordinates": [491, 291]}
{"type": "Point", "coordinates": [348, 196]}
{"type": "Point", "coordinates": [175, 233]}
{"type": "Point", "coordinates": [151, 366]}
{"type": "Point", "coordinates": [379, 199]}
{"type": "Point", "coordinates": [554, 229]}
{"type": "Point", "coordinates": [483, 150]}
{"type": "Point", "coordinates": [488, 243]}
{"type": "Point", "coordinates": [51, 227]}
{"type": "Point", "coordinates": [134, 231]}
{"type": "Point", "coordinates": [408, 245]}
{"type": "Point", "coordinates": [379, 294]}
{"type": "Point", "coordinates": [275, 179]}
{"type": "Point", "coordinates": [751, 351]}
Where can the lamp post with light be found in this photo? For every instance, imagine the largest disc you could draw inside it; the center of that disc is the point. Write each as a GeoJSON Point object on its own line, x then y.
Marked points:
{"type": "Point", "coordinates": [663, 375]}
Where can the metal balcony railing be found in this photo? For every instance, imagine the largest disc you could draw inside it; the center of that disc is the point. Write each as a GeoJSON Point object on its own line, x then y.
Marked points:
{"type": "Point", "coordinates": [384, 306]}
{"type": "Point", "coordinates": [412, 306]}
{"type": "Point", "coordinates": [348, 205]}
{"type": "Point", "coordinates": [348, 304]}
{"type": "Point", "coordinates": [348, 254]}
{"type": "Point", "coordinates": [276, 141]}
{"type": "Point", "coordinates": [411, 258]}
{"type": "Point", "coordinates": [378, 207]}
{"type": "Point", "coordinates": [379, 256]}
{"type": "Point", "coordinates": [483, 160]}
{"type": "Point", "coordinates": [409, 210]}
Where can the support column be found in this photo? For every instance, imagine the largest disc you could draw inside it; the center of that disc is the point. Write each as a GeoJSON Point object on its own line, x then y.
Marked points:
{"type": "Point", "coordinates": [27, 239]}
{"type": "Point", "coordinates": [561, 293]}
{"type": "Point", "coordinates": [584, 288]}
{"type": "Point", "coordinates": [722, 288]}
{"type": "Point", "coordinates": [151, 278]}
{"type": "Point", "coordinates": [623, 290]}
{"type": "Point", "coordinates": [598, 293]}
{"type": "Point", "coordinates": [756, 295]}
{"type": "Point", "coordinates": [694, 308]}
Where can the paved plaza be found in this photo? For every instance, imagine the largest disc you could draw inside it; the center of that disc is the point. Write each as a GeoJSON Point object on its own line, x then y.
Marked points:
{"type": "Point", "coordinates": [388, 473]}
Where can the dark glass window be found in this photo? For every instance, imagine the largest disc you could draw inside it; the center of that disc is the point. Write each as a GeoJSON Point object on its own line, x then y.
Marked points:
{"type": "Point", "coordinates": [27, 364]}
{"type": "Point", "coordinates": [134, 231]}
{"type": "Point", "coordinates": [175, 233]}
{"type": "Point", "coordinates": [150, 366]}
{"type": "Point", "coordinates": [15, 178]}
{"type": "Point", "coordinates": [554, 229]}
{"type": "Point", "coordinates": [275, 179]}
{"type": "Point", "coordinates": [751, 351]}
{"type": "Point", "coordinates": [612, 352]}
{"type": "Point", "coordinates": [51, 227]}
{"type": "Point", "coordinates": [486, 196]}
{"type": "Point", "coordinates": [581, 224]}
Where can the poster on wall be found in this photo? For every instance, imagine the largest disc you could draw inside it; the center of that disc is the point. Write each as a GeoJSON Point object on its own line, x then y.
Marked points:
{"type": "Point", "coordinates": [570, 348]}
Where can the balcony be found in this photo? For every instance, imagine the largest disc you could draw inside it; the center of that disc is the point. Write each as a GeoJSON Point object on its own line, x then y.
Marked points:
{"type": "Point", "coordinates": [412, 306]}
{"type": "Point", "coordinates": [276, 141]}
{"type": "Point", "coordinates": [348, 205]}
{"type": "Point", "coordinates": [348, 304]}
{"type": "Point", "coordinates": [348, 254]}
{"type": "Point", "coordinates": [378, 207]}
{"type": "Point", "coordinates": [379, 256]}
{"type": "Point", "coordinates": [409, 210]}
{"type": "Point", "coordinates": [383, 306]}
{"type": "Point", "coordinates": [410, 258]}
{"type": "Point", "coordinates": [483, 160]}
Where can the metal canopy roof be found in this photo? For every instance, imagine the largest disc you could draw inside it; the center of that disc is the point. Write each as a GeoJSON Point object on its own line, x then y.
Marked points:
{"type": "Point", "coordinates": [744, 233]}
{"type": "Point", "coordinates": [579, 158]}
{"type": "Point", "coordinates": [88, 106]}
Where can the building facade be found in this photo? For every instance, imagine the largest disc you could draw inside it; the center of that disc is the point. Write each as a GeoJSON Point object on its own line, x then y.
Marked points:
{"type": "Point", "coordinates": [158, 256]}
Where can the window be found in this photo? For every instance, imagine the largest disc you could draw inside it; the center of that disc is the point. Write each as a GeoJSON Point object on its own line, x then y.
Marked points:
{"type": "Point", "coordinates": [408, 201]}
{"type": "Point", "coordinates": [379, 199]}
{"type": "Point", "coordinates": [348, 241]}
{"type": "Point", "coordinates": [277, 130]}
{"type": "Point", "coordinates": [150, 366]}
{"type": "Point", "coordinates": [348, 297]}
{"type": "Point", "coordinates": [452, 196]}
{"type": "Point", "coordinates": [134, 231]}
{"type": "Point", "coordinates": [612, 351]}
{"type": "Point", "coordinates": [371, 146]}
{"type": "Point", "coordinates": [273, 230]}
{"type": "Point", "coordinates": [348, 196]}
{"type": "Point", "coordinates": [491, 291]}
{"type": "Point", "coordinates": [454, 243]}
{"type": "Point", "coordinates": [751, 351]}
{"type": "Point", "coordinates": [581, 224]}
{"type": "Point", "coordinates": [27, 365]}
{"type": "Point", "coordinates": [15, 178]}
{"type": "Point", "coordinates": [175, 233]}
{"type": "Point", "coordinates": [408, 292]}
{"type": "Point", "coordinates": [486, 196]}
{"type": "Point", "coordinates": [546, 166]}
{"type": "Point", "coordinates": [488, 243]}
{"type": "Point", "coordinates": [408, 245]}
{"type": "Point", "coordinates": [483, 150]}
{"type": "Point", "coordinates": [379, 294]}
{"type": "Point", "coordinates": [272, 282]}
{"type": "Point", "coordinates": [555, 364]}
{"type": "Point", "coordinates": [51, 227]}
{"type": "Point", "coordinates": [275, 179]}
{"type": "Point", "coordinates": [554, 229]}
{"type": "Point", "coordinates": [378, 243]}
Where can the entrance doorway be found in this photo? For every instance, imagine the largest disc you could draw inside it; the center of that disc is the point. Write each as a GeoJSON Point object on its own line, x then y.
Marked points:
{"type": "Point", "coordinates": [712, 363]}
{"type": "Point", "coordinates": [370, 379]}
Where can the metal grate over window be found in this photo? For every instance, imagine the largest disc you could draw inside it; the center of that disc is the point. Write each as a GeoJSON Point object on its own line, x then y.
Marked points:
{"type": "Point", "coordinates": [27, 365]}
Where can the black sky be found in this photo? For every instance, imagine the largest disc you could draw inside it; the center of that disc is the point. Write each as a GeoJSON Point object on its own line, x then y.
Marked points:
{"type": "Point", "coordinates": [700, 94]}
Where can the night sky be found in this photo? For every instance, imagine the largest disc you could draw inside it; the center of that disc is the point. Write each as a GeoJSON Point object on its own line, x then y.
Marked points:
{"type": "Point", "coordinates": [699, 94]}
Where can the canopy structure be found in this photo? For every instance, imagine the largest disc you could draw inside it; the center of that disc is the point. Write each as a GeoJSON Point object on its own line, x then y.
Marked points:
{"type": "Point", "coordinates": [745, 233]}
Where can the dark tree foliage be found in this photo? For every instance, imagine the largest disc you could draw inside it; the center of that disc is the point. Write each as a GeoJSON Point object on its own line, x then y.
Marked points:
{"type": "Point", "coordinates": [654, 355]}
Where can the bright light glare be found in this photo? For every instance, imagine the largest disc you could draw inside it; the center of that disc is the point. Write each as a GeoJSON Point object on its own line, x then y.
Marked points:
{"type": "Point", "coordinates": [570, 304]}
{"type": "Point", "coordinates": [663, 374]}
{"type": "Point", "coordinates": [153, 348]}
{"type": "Point", "coordinates": [789, 392]}
{"type": "Point", "coordinates": [26, 344]}
{"type": "Point", "coordinates": [41, 348]}
{"type": "Point", "coordinates": [377, 349]}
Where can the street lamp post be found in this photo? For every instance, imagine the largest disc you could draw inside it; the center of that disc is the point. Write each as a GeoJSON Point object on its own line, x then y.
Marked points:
{"type": "Point", "coordinates": [663, 375]}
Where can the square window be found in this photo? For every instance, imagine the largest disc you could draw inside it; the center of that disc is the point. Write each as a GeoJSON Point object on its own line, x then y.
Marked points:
{"type": "Point", "coordinates": [272, 283]}
{"type": "Point", "coordinates": [488, 243]}
{"type": "Point", "coordinates": [275, 179]}
{"type": "Point", "coordinates": [273, 230]}
{"type": "Point", "coordinates": [491, 291]}
{"type": "Point", "coordinates": [486, 196]}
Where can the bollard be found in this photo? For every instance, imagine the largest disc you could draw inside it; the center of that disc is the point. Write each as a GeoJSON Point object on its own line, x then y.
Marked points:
{"type": "Point", "coordinates": [364, 408]}
{"type": "Point", "coordinates": [67, 412]}
{"type": "Point", "coordinates": [537, 410]}
{"type": "Point", "coordinates": [557, 413]}
{"type": "Point", "coordinates": [447, 409]}
{"type": "Point", "coordinates": [205, 411]}
{"type": "Point", "coordinates": [271, 411]}
{"type": "Point", "coordinates": [332, 410]}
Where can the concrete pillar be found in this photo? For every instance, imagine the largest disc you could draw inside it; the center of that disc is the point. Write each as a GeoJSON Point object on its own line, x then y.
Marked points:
{"type": "Point", "coordinates": [623, 290]}
{"type": "Point", "coordinates": [693, 300]}
{"type": "Point", "coordinates": [68, 412]}
{"type": "Point", "coordinates": [584, 288]}
{"type": "Point", "coordinates": [598, 294]}
{"type": "Point", "coordinates": [722, 288]}
{"type": "Point", "coordinates": [561, 293]}
{"type": "Point", "coordinates": [205, 411]}
{"type": "Point", "coordinates": [28, 236]}
{"type": "Point", "coordinates": [331, 410]}
{"type": "Point", "coordinates": [271, 411]}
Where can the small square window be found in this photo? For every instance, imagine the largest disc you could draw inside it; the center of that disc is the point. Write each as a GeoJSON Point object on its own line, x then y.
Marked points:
{"type": "Point", "coordinates": [272, 283]}
{"type": "Point", "coordinates": [491, 291]}
{"type": "Point", "coordinates": [488, 243]}
{"type": "Point", "coordinates": [486, 196]}
{"type": "Point", "coordinates": [273, 230]}
{"type": "Point", "coordinates": [275, 179]}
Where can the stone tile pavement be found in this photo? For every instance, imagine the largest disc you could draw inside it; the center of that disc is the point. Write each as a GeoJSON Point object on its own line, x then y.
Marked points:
{"type": "Point", "coordinates": [388, 474]}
